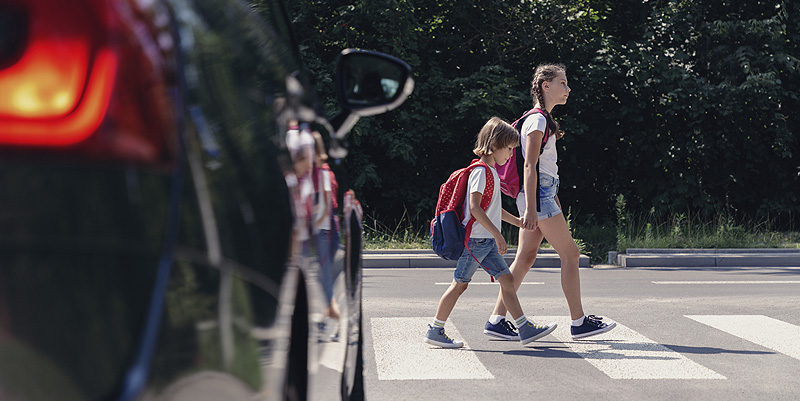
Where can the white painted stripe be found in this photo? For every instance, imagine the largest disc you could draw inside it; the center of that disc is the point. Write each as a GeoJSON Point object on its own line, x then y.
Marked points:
{"type": "Point", "coordinates": [765, 331]}
{"type": "Point", "coordinates": [333, 352]}
{"type": "Point", "coordinates": [625, 354]}
{"type": "Point", "coordinates": [730, 282]}
{"type": "Point", "coordinates": [494, 283]}
{"type": "Point", "coordinates": [400, 353]}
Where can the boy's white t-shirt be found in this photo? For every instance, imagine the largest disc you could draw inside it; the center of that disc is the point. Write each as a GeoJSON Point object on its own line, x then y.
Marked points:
{"type": "Point", "coordinates": [477, 183]}
{"type": "Point", "coordinates": [548, 159]}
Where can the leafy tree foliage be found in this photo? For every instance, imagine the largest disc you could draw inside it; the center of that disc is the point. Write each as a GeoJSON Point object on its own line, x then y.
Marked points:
{"type": "Point", "coordinates": [681, 105]}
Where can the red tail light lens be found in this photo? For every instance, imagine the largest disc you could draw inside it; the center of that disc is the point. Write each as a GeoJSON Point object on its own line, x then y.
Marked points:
{"type": "Point", "coordinates": [67, 82]}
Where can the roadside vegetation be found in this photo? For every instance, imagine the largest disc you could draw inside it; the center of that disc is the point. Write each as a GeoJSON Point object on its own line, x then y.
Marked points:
{"type": "Point", "coordinates": [596, 238]}
{"type": "Point", "coordinates": [685, 108]}
{"type": "Point", "coordinates": [682, 106]}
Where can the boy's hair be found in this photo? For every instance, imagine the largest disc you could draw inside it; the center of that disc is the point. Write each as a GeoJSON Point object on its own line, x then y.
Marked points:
{"type": "Point", "coordinates": [545, 72]}
{"type": "Point", "coordinates": [495, 134]}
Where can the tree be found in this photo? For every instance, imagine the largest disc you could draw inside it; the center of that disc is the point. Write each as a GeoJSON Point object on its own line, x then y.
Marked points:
{"type": "Point", "coordinates": [681, 105]}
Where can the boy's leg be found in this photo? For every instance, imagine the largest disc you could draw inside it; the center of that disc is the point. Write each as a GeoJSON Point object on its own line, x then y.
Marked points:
{"type": "Point", "coordinates": [465, 269]}
{"type": "Point", "coordinates": [529, 242]}
{"type": "Point", "coordinates": [449, 299]}
{"type": "Point", "coordinates": [436, 335]}
{"type": "Point", "coordinates": [528, 331]}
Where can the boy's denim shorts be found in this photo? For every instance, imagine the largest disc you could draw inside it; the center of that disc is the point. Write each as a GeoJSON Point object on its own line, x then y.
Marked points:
{"type": "Point", "coordinates": [548, 189]}
{"type": "Point", "coordinates": [485, 251]}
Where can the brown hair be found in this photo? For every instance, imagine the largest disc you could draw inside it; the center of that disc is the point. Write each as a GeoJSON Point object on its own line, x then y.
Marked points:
{"type": "Point", "coordinates": [495, 134]}
{"type": "Point", "coordinates": [545, 72]}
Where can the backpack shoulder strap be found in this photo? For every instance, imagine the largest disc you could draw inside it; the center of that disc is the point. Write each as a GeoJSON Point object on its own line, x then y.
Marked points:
{"type": "Point", "coordinates": [518, 123]}
{"type": "Point", "coordinates": [486, 197]}
{"type": "Point", "coordinates": [546, 134]}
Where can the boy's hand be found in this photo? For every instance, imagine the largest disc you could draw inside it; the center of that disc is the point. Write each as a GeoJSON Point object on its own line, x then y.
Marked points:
{"type": "Point", "coordinates": [502, 247]}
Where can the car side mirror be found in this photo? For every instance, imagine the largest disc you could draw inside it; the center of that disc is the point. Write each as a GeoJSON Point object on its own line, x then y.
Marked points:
{"type": "Point", "coordinates": [368, 83]}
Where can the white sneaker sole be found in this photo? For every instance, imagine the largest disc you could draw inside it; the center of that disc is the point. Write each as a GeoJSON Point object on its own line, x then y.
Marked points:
{"type": "Point", "coordinates": [500, 336]}
{"type": "Point", "coordinates": [540, 335]}
{"type": "Point", "coordinates": [443, 345]}
{"type": "Point", "coordinates": [606, 329]}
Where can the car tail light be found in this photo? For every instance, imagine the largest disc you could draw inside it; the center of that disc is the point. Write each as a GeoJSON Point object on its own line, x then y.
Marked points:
{"type": "Point", "coordinates": [89, 77]}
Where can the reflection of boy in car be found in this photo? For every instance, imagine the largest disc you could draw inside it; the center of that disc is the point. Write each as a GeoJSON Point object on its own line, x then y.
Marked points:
{"type": "Point", "coordinates": [300, 144]}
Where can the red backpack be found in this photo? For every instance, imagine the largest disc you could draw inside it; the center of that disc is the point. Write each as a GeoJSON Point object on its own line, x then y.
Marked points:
{"type": "Point", "coordinates": [449, 237]}
{"type": "Point", "coordinates": [512, 175]}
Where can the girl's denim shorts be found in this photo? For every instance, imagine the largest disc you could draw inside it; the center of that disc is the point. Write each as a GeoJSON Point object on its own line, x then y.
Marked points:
{"type": "Point", "coordinates": [548, 189]}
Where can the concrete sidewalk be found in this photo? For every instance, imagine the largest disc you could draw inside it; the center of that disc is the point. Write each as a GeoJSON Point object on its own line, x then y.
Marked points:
{"type": "Point", "coordinates": [669, 258]}
{"type": "Point", "coordinates": [755, 257]}
{"type": "Point", "coordinates": [378, 258]}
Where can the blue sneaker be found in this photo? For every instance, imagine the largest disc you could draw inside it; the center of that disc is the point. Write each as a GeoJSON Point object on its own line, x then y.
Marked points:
{"type": "Point", "coordinates": [530, 331]}
{"type": "Point", "coordinates": [437, 337]}
{"type": "Point", "coordinates": [591, 326]}
{"type": "Point", "coordinates": [503, 329]}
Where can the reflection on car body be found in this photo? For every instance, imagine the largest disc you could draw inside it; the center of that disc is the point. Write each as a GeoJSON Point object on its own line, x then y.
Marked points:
{"type": "Point", "coordinates": [152, 247]}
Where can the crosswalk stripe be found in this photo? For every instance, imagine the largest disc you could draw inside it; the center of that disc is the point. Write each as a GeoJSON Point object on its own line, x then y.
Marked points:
{"type": "Point", "coordinates": [625, 354]}
{"type": "Point", "coordinates": [765, 331]}
{"type": "Point", "coordinates": [494, 283]}
{"type": "Point", "coordinates": [400, 353]}
{"type": "Point", "coordinates": [730, 282]}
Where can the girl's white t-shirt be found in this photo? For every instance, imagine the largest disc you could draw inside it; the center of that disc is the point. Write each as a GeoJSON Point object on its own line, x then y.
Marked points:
{"type": "Point", "coordinates": [548, 159]}
{"type": "Point", "coordinates": [477, 183]}
{"type": "Point", "coordinates": [319, 207]}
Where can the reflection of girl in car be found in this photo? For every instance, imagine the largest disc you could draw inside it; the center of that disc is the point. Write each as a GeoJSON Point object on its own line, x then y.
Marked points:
{"type": "Point", "coordinates": [325, 230]}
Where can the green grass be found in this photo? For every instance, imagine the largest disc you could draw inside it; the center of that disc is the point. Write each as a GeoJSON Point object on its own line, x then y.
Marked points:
{"type": "Point", "coordinates": [685, 230]}
{"type": "Point", "coordinates": [596, 238]}
{"type": "Point", "coordinates": [682, 231]}
{"type": "Point", "coordinates": [406, 234]}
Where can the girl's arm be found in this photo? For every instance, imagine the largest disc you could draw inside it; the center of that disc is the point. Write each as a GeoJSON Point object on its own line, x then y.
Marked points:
{"type": "Point", "coordinates": [532, 146]}
{"type": "Point", "coordinates": [481, 217]}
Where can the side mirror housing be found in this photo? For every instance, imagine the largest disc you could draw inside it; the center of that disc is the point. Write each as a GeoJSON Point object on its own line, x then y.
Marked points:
{"type": "Point", "coordinates": [368, 83]}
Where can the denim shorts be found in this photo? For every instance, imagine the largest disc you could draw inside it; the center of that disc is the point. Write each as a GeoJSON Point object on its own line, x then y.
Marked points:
{"type": "Point", "coordinates": [485, 251]}
{"type": "Point", "coordinates": [548, 189]}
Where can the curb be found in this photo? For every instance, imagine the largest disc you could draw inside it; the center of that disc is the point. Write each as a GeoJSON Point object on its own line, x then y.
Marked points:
{"type": "Point", "coordinates": [759, 257]}
{"type": "Point", "coordinates": [423, 258]}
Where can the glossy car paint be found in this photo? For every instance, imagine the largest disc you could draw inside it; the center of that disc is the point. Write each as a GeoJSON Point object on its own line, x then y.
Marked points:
{"type": "Point", "coordinates": [154, 254]}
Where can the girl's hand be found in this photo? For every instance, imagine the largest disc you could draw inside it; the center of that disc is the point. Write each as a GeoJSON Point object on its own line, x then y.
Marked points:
{"type": "Point", "coordinates": [529, 221]}
{"type": "Point", "coordinates": [502, 247]}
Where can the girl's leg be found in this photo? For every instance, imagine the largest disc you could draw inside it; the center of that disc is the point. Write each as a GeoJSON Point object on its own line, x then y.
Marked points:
{"type": "Point", "coordinates": [557, 233]}
{"type": "Point", "coordinates": [448, 301]}
{"type": "Point", "coordinates": [529, 242]}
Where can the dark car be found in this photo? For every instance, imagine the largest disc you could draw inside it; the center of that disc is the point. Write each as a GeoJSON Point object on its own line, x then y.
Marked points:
{"type": "Point", "coordinates": [155, 239]}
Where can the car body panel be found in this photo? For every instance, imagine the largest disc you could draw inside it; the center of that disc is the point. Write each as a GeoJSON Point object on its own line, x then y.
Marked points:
{"type": "Point", "coordinates": [163, 256]}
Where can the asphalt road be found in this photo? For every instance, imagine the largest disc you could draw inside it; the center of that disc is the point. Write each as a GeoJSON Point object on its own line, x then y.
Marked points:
{"type": "Point", "coordinates": [682, 334]}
